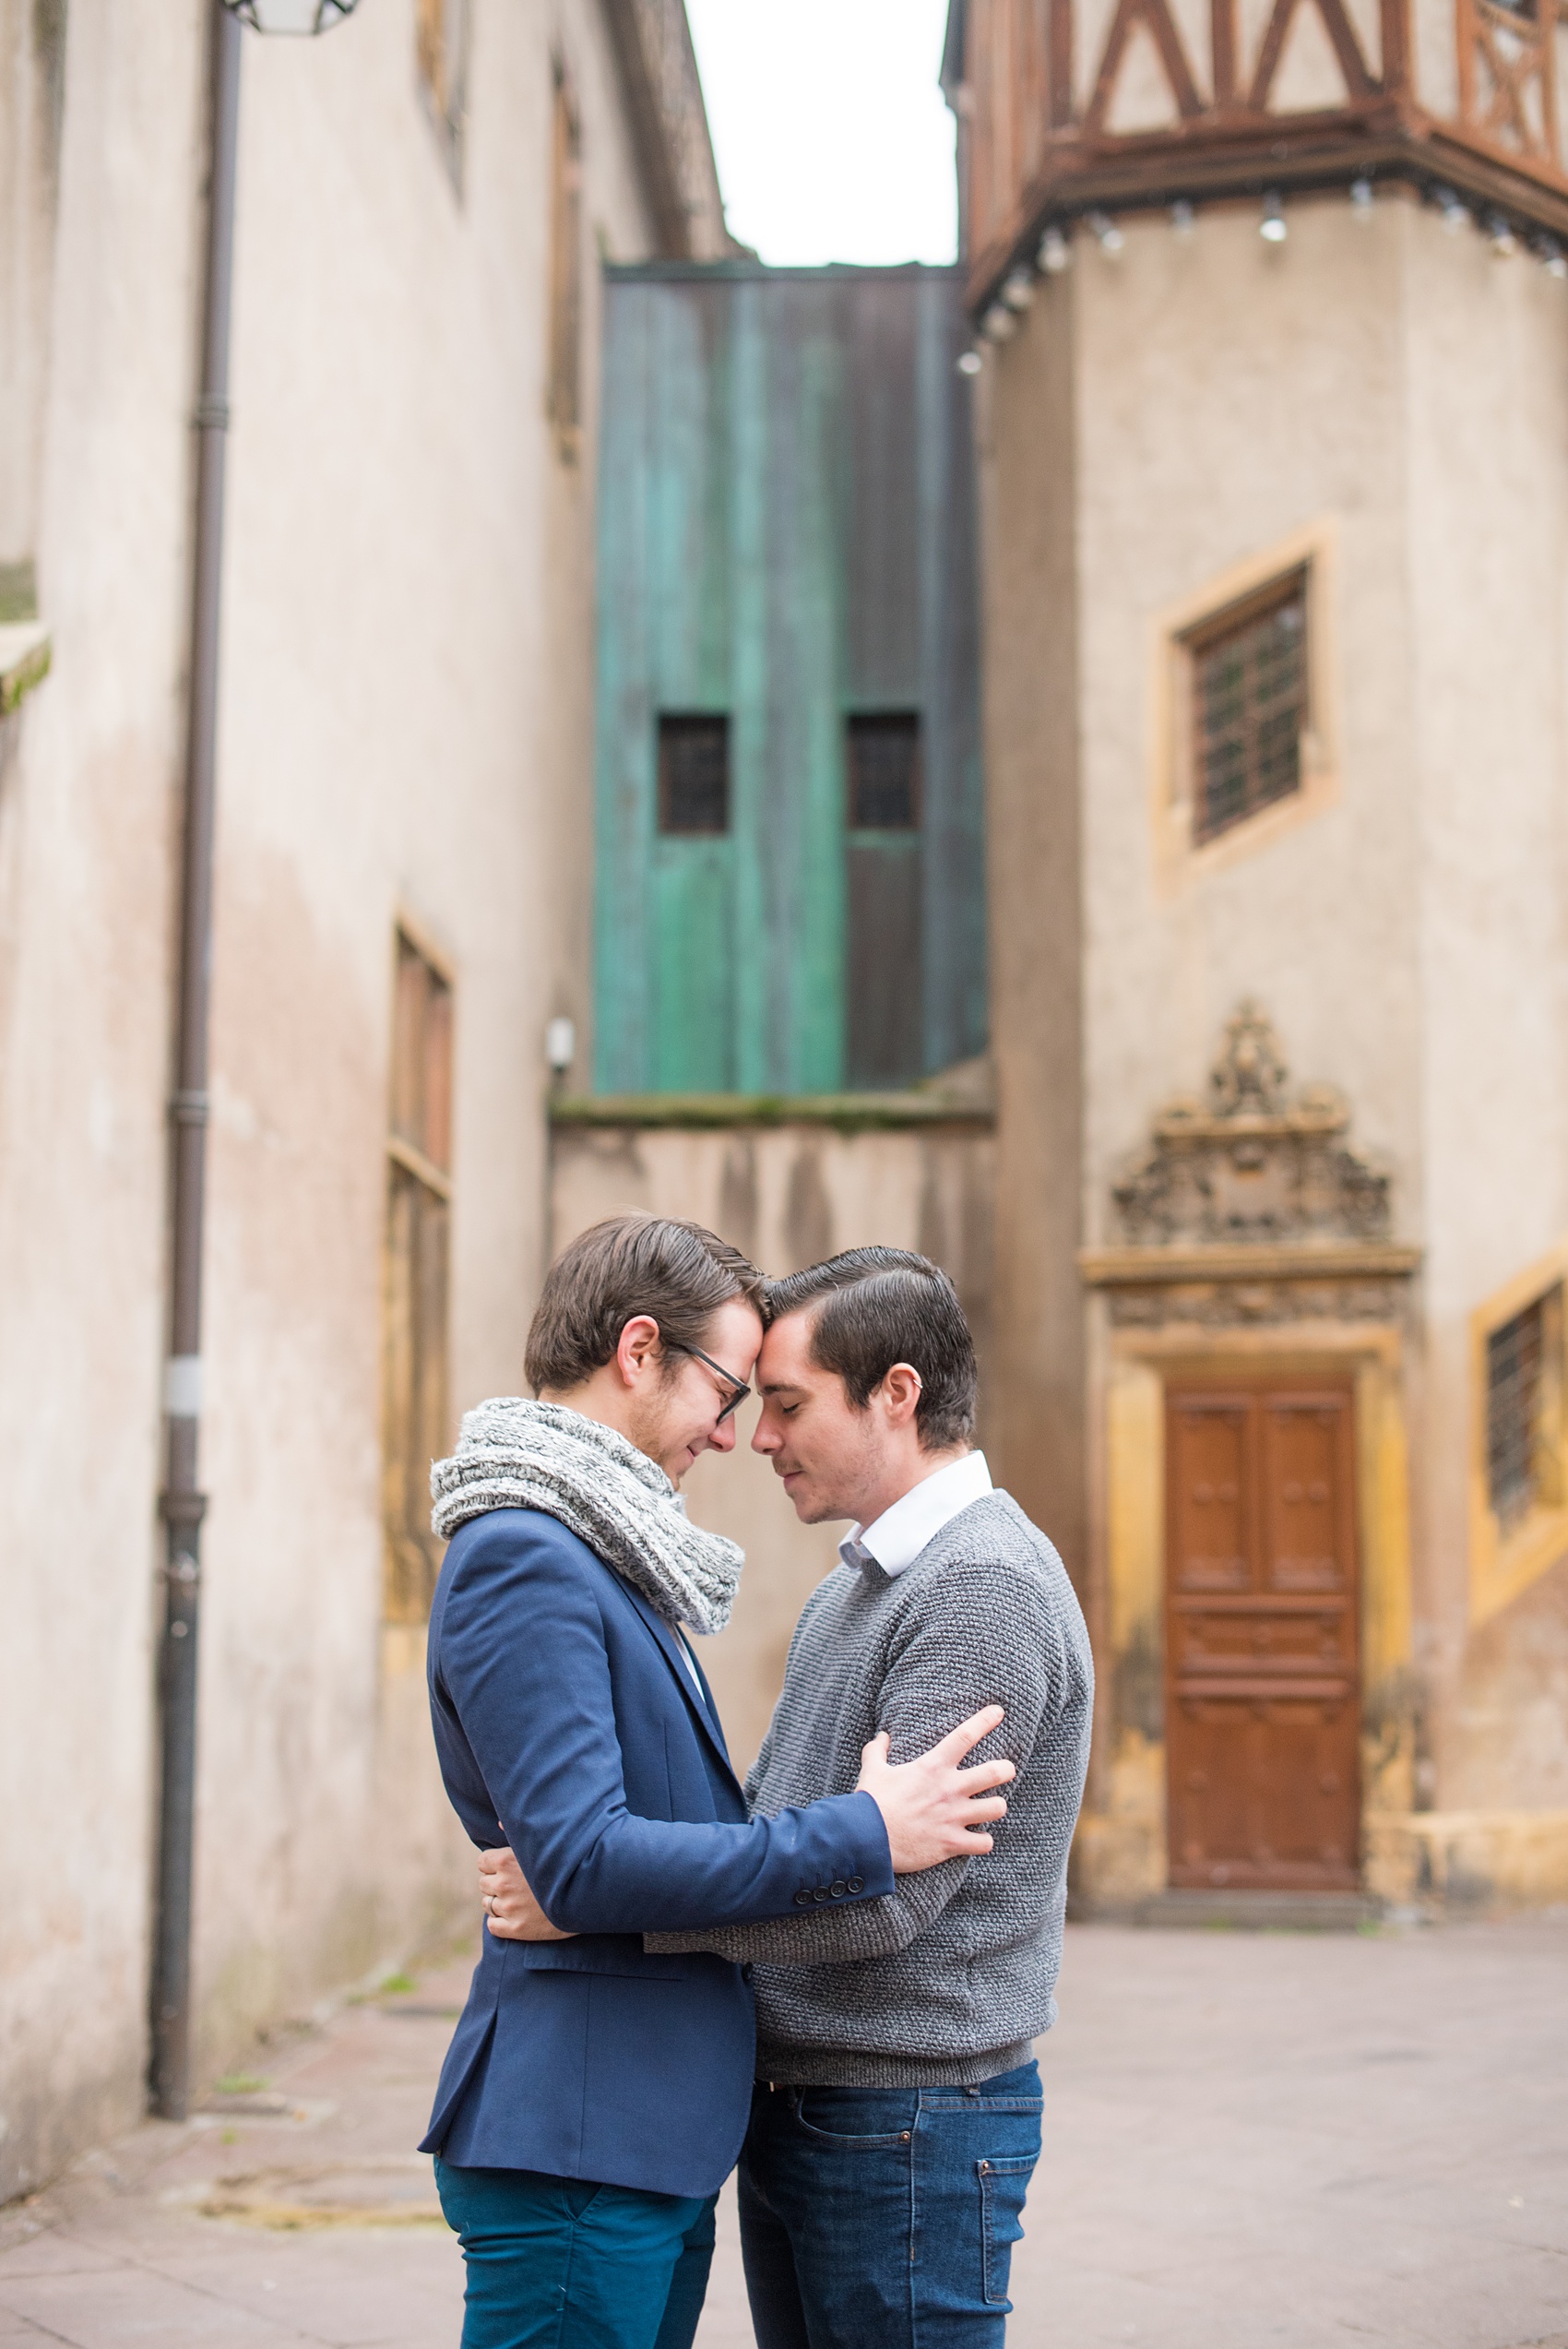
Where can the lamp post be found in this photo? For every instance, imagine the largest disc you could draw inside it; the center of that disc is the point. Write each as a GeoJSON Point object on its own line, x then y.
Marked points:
{"type": "Point", "coordinates": [183, 1502]}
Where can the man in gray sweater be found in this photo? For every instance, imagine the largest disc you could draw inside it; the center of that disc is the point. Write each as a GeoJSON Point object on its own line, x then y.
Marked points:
{"type": "Point", "coordinates": [897, 2115]}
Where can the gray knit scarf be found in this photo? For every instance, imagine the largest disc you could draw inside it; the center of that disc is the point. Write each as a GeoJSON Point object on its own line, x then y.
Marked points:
{"type": "Point", "coordinates": [516, 1454]}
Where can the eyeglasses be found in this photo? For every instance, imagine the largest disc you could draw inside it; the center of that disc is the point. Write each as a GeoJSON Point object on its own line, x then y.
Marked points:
{"type": "Point", "coordinates": [741, 1390]}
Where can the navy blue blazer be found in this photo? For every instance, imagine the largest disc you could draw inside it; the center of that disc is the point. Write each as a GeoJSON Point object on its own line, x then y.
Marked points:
{"type": "Point", "coordinates": [570, 1726]}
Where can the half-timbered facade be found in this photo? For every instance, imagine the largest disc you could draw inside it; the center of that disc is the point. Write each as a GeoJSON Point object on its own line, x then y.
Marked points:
{"type": "Point", "coordinates": [1068, 107]}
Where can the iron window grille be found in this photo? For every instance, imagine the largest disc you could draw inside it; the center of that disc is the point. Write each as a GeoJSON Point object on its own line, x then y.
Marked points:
{"type": "Point", "coordinates": [1519, 1382]}
{"type": "Point", "coordinates": [694, 775]}
{"type": "Point", "coordinates": [885, 772]}
{"type": "Point", "coordinates": [1249, 706]}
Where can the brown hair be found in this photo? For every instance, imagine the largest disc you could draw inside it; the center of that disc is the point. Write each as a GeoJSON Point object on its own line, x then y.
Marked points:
{"type": "Point", "coordinates": [677, 1273]}
{"type": "Point", "coordinates": [876, 1307]}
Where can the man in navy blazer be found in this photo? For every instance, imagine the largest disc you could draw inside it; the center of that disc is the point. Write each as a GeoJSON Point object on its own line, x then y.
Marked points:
{"type": "Point", "coordinates": [595, 2095]}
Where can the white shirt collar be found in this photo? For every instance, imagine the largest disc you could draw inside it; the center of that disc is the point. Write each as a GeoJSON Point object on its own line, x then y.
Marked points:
{"type": "Point", "coordinates": [896, 1539]}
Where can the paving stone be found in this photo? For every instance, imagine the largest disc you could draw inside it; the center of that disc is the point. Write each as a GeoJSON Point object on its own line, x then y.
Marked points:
{"type": "Point", "coordinates": [130, 2305]}
{"type": "Point", "coordinates": [54, 2253]}
{"type": "Point", "coordinates": [1252, 2141]}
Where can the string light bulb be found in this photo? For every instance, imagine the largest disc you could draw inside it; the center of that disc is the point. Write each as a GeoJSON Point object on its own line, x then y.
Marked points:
{"type": "Point", "coordinates": [998, 325]}
{"type": "Point", "coordinates": [1501, 237]}
{"type": "Point", "coordinates": [1272, 228]}
{"type": "Point", "coordinates": [1055, 254]}
{"type": "Point", "coordinates": [1184, 219]}
{"type": "Point", "coordinates": [1019, 291]}
{"type": "Point", "coordinates": [1553, 260]}
{"type": "Point", "coordinates": [1112, 240]}
{"type": "Point", "coordinates": [971, 364]}
{"type": "Point", "coordinates": [1362, 197]}
{"type": "Point", "coordinates": [1454, 214]}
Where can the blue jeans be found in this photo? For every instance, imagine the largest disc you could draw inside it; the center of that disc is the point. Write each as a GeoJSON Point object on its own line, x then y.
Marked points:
{"type": "Point", "coordinates": [561, 2264]}
{"type": "Point", "coordinates": [880, 2218]}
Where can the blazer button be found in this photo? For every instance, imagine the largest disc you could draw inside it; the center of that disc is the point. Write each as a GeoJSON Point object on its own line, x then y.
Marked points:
{"type": "Point", "coordinates": [821, 1892]}
{"type": "Point", "coordinates": [803, 1897]}
{"type": "Point", "coordinates": [857, 1884]}
{"type": "Point", "coordinates": [838, 1888]}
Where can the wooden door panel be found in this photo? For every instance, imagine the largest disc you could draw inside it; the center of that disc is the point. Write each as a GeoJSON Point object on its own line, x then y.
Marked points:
{"type": "Point", "coordinates": [1212, 1502]}
{"type": "Point", "coordinates": [1260, 1797]}
{"type": "Point", "coordinates": [1262, 1677]}
{"type": "Point", "coordinates": [1253, 1639]}
{"type": "Point", "coordinates": [1305, 1544]}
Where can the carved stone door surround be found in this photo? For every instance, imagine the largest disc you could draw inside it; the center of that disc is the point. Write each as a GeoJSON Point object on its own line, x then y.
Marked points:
{"type": "Point", "coordinates": [1250, 1207]}
{"type": "Point", "coordinates": [1252, 1242]}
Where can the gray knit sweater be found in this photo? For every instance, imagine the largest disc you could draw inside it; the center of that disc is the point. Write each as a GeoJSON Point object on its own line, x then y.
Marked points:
{"type": "Point", "coordinates": [951, 1976]}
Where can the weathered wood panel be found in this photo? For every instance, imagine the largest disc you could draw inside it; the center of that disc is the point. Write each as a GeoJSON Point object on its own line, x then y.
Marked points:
{"type": "Point", "coordinates": [786, 536]}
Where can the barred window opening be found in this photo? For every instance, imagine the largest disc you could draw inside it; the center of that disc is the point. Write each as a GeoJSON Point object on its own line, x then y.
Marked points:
{"type": "Point", "coordinates": [694, 775]}
{"type": "Point", "coordinates": [1517, 1379]}
{"type": "Point", "coordinates": [885, 772]}
{"type": "Point", "coordinates": [1248, 706]}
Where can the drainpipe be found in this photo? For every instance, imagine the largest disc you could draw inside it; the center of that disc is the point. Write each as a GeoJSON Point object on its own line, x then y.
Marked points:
{"type": "Point", "coordinates": [183, 1503]}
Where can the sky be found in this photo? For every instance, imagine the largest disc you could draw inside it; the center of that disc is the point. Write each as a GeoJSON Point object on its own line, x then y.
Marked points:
{"type": "Point", "coordinates": [834, 142]}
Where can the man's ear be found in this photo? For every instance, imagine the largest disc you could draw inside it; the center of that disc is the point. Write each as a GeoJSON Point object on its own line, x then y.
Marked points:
{"type": "Point", "coordinates": [901, 1389]}
{"type": "Point", "coordinates": [637, 1349]}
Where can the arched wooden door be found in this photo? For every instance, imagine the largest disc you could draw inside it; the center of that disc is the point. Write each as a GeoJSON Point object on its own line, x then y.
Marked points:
{"type": "Point", "coordinates": [1263, 1696]}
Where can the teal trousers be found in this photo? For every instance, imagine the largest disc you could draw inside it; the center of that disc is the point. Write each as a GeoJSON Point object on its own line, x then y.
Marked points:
{"type": "Point", "coordinates": [561, 2264]}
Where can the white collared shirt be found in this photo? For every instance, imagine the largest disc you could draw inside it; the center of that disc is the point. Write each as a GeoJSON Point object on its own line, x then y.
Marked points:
{"type": "Point", "coordinates": [897, 1538]}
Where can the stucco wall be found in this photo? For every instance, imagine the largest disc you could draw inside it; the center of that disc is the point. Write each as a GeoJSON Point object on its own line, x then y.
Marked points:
{"type": "Point", "coordinates": [1222, 397]}
{"type": "Point", "coordinates": [1229, 394]}
{"type": "Point", "coordinates": [1488, 570]}
{"type": "Point", "coordinates": [405, 728]}
{"type": "Point", "coordinates": [88, 765]}
{"type": "Point", "coordinates": [788, 1196]}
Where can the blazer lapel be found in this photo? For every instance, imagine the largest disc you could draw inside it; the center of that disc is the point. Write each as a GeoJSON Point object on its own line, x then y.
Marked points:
{"type": "Point", "coordinates": [701, 1707]}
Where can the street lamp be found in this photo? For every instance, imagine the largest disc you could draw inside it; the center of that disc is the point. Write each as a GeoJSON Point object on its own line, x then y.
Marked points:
{"type": "Point", "coordinates": [288, 16]}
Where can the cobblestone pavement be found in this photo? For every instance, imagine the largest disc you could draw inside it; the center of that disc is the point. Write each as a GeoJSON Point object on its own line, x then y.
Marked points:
{"type": "Point", "coordinates": [1251, 2139]}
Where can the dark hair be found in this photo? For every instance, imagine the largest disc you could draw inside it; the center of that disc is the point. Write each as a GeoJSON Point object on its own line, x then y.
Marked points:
{"type": "Point", "coordinates": [659, 1265]}
{"type": "Point", "coordinates": [876, 1307]}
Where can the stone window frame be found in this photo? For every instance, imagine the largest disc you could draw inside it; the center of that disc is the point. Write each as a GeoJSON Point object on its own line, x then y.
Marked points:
{"type": "Point", "coordinates": [443, 37]}
{"type": "Point", "coordinates": [1181, 859]}
{"type": "Point", "coordinates": [418, 1197]}
{"type": "Point", "coordinates": [569, 277]}
{"type": "Point", "coordinates": [1506, 1558]}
